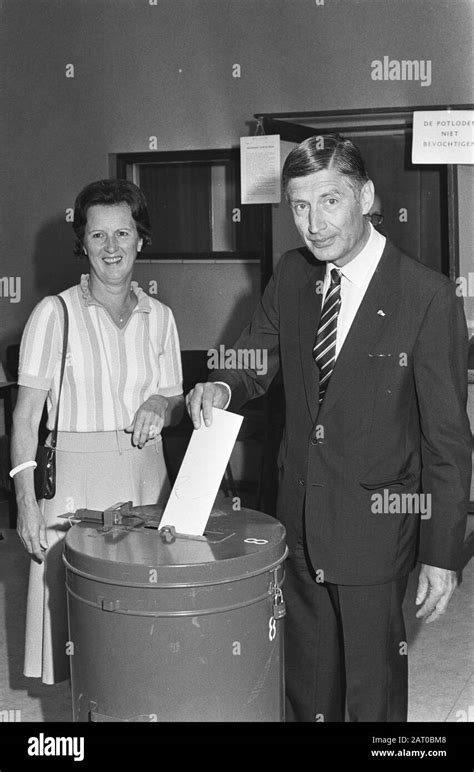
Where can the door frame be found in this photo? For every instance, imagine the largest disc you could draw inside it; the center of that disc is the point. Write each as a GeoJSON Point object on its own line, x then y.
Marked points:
{"type": "Point", "coordinates": [389, 119]}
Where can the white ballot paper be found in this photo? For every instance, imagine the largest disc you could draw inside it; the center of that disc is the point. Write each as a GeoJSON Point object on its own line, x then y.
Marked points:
{"type": "Point", "coordinates": [260, 169]}
{"type": "Point", "coordinates": [201, 472]}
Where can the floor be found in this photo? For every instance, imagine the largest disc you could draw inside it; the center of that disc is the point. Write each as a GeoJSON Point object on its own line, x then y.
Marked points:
{"type": "Point", "coordinates": [441, 655]}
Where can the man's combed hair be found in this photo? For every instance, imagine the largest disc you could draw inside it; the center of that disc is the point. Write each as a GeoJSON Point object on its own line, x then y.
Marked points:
{"type": "Point", "coordinates": [109, 193]}
{"type": "Point", "coordinates": [326, 151]}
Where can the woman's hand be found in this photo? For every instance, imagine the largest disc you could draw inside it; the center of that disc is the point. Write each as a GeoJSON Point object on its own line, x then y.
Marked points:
{"type": "Point", "coordinates": [30, 521]}
{"type": "Point", "coordinates": [31, 529]}
{"type": "Point", "coordinates": [149, 419]}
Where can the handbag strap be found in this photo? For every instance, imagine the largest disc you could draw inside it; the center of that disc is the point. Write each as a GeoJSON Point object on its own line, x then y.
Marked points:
{"type": "Point", "coordinates": [54, 435]}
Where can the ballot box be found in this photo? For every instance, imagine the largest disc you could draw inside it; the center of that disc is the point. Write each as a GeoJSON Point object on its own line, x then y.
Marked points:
{"type": "Point", "coordinates": [170, 627]}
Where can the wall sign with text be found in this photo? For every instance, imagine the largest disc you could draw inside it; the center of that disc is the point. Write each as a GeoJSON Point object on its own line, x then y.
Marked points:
{"type": "Point", "coordinates": [260, 169]}
{"type": "Point", "coordinates": [443, 137]}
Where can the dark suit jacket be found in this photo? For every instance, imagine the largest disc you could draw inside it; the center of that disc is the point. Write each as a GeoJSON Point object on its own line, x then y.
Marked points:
{"type": "Point", "coordinates": [393, 418]}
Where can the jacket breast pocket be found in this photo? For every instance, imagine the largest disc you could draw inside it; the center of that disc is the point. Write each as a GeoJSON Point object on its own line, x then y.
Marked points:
{"type": "Point", "coordinates": [405, 480]}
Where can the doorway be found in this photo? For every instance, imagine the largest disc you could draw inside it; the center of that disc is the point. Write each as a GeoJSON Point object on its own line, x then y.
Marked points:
{"type": "Point", "coordinates": [416, 200]}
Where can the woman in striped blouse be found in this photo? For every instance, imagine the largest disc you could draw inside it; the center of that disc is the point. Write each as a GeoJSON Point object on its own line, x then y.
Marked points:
{"type": "Point", "coordinates": [122, 383]}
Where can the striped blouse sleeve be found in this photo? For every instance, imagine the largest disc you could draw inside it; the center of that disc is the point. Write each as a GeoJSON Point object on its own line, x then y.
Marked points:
{"type": "Point", "coordinates": [40, 348]}
{"type": "Point", "coordinates": [171, 377]}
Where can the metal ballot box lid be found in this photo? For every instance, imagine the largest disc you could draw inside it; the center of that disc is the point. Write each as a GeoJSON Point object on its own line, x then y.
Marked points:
{"type": "Point", "coordinates": [135, 553]}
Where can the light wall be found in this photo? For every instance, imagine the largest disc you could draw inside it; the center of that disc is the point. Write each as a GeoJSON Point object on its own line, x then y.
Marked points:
{"type": "Point", "coordinates": [164, 68]}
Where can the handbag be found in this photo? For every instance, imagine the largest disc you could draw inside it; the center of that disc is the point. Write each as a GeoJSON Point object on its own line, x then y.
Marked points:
{"type": "Point", "coordinates": [45, 472]}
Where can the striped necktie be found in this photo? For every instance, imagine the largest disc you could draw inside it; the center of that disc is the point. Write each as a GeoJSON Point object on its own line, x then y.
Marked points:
{"type": "Point", "coordinates": [324, 350]}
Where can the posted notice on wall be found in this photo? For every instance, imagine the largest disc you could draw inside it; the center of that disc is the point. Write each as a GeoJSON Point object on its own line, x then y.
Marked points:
{"type": "Point", "coordinates": [260, 169]}
{"type": "Point", "coordinates": [443, 137]}
{"type": "Point", "coordinates": [197, 483]}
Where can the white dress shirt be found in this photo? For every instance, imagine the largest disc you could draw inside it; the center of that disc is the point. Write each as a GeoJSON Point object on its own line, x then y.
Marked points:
{"type": "Point", "coordinates": [355, 278]}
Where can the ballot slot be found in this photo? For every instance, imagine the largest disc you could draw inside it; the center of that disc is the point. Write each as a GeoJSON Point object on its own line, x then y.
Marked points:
{"type": "Point", "coordinates": [124, 516]}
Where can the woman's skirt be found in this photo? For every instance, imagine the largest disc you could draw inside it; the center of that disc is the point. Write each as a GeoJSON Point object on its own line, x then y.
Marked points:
{"type": "Point", "coordinates": [94, 470]}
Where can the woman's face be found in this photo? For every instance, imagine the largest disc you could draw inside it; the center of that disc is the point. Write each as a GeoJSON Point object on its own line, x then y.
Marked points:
{"type": "Point", "coordinates": [111, 242]}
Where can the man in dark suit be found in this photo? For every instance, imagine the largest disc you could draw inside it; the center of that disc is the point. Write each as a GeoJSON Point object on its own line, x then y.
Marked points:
{"type": "Point", "coordinates": [375, 460]}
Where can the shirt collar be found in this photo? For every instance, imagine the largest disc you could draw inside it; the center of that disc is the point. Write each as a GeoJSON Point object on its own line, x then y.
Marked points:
{"type": "Point", "coordinates": [362, 264]}
{"type": "Point", "coordinates": [143, 301]}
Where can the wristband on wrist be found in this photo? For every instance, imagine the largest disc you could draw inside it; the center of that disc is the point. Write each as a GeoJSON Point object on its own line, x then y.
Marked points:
{"type": "Point", "coordinates": [20, 467]}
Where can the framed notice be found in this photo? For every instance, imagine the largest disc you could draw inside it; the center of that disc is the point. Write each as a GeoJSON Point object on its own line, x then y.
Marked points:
{"type": "Point", "coordinates": [260, 169]}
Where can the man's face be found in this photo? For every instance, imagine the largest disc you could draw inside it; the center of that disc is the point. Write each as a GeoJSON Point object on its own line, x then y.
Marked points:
{"type": "Point", "coordinates": [329, 214]}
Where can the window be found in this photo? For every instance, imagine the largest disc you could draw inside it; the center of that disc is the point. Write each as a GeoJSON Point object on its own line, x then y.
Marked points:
{"type": "Point", "coordinates": [194, 205]}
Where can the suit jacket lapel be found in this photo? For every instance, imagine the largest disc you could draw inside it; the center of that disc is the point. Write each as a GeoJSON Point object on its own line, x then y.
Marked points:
{"type": "Point", "coordinates": [369, 323]}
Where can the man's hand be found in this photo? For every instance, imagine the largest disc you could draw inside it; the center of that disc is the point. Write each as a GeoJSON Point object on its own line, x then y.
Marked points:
{"type": "Point", "coordinates": [204, 397]}
{"type": "Point", "coordinates": [435, 588]}
{"type": "Point", "coordinates": [148, 420]}
{"type": "Point", "coordinates": [32, 530]}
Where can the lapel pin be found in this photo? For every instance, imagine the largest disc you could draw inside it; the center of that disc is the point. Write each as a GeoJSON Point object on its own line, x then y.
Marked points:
{"type": "Point", "coordinates": [380, 312]}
